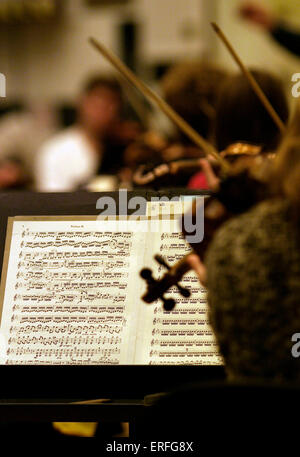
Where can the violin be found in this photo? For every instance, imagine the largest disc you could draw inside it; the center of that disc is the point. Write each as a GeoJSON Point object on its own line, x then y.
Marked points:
{"type": "Point", "coordinates": [237, 193]}
{"type": "Point", "coordinates": [246, 175]}
{"type": "Point", "coordinates": [159, 174]}
{"type": "Point", "coordinates": [165, 172]}
{"type": "Point", "coordinates": [157, 160]}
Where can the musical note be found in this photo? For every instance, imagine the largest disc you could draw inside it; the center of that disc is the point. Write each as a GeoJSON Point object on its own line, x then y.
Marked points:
{"type": "Point", "coordinates": [73, 298]}
{"type": "Point", "coordinates": [181, 336]}
{"type": "Point", "coordinates": [70, 295]}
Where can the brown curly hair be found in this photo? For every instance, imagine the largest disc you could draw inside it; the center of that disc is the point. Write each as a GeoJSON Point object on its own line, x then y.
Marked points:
{"type": "Point", "coordinates": [192, 88]}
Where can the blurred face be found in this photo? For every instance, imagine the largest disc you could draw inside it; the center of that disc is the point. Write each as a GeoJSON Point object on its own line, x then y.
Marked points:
{"type": "Point", "coordinates": [100, 109]}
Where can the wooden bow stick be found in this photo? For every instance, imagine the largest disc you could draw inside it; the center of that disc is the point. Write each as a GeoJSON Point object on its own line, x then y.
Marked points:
{"type": "Point", "coordinates": [141, 111]}
{"type": "Point", "coordinates": [151, 96]}
{"type": "Point", "coordinates": [97, 401]}
{"type": "Point", "coordinates": [257, 89]}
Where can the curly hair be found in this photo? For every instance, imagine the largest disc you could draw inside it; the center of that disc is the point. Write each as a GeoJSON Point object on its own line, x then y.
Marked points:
{"type": "Point", "coordinates": [192, 88]}
{"type": "Point", "coordinates": [241, 115]}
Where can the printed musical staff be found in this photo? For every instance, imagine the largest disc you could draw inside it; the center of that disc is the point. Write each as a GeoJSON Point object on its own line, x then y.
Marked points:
{"type": "Point", "coordinates": [72, 297]}
{"type": "Point", "coordinates": [69, 303]}
{"type": "Point", "coordinates": [181, 336]}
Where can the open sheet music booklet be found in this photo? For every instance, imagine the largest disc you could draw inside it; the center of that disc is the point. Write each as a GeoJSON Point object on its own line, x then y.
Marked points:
{"type": "Point", "coordinates": [71, 294]}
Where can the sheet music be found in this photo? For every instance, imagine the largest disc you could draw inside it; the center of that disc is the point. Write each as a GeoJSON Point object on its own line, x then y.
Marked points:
{"type": "Point", "coordinates": [68, 297]}
{"type": "Point", "coordinates": [182, 336]}
{"type": "Point", "coordinates": [73, 296]}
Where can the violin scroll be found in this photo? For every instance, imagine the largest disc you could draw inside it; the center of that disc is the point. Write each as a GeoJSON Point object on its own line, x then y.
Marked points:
{"type": "Point", "coordinates": [157, 287]}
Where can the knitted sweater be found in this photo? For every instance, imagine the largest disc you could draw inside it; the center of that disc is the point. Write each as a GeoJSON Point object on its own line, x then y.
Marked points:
{"type": "Point", "coordinates": [253, 280]}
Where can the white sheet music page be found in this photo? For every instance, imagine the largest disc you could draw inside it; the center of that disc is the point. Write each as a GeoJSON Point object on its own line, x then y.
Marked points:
{"type": "Point", "coordinates": [71, 295]}
{"type": "Point", "coordinates": [182, 336]}
{"type": "Point", "coordinates": [69, 292]}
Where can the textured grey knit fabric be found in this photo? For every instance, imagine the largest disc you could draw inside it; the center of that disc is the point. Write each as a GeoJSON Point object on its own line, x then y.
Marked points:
{"type": "Point", "coordinates": [253, 274]}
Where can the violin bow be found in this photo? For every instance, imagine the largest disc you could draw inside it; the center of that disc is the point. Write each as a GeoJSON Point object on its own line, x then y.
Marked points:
{"type": "Point", "coordinates": [252, 81]}
{"type": "Point", "coordinates": [141, 111]}
{"type": "Point", "coordinates": [153, 98]}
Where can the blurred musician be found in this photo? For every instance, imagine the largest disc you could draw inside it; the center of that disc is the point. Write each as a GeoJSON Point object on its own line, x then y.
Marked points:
{"type": "Point", "coordinates": [241, 117]}
{"type": "Point", "coordinates": [252, 273]}
{"type": "Point", "coordinates": [242, 126]}
{"type": "Point", "coordinates": [191, 88]}
{"type": "Point", "coordinates": [70, 159]}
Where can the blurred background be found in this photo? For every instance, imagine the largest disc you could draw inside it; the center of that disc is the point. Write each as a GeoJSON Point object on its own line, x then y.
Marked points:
{"type": "Point", "coordinates": [45, 56]}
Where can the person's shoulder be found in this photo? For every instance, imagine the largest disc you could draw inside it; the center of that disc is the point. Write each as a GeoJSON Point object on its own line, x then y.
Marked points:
{"type": "Point", "coordinates": [62, 142]}
{"type": "Point", "coordinates": [272, 208]}
{"type": "Point", "coordinates": [259, 222]}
